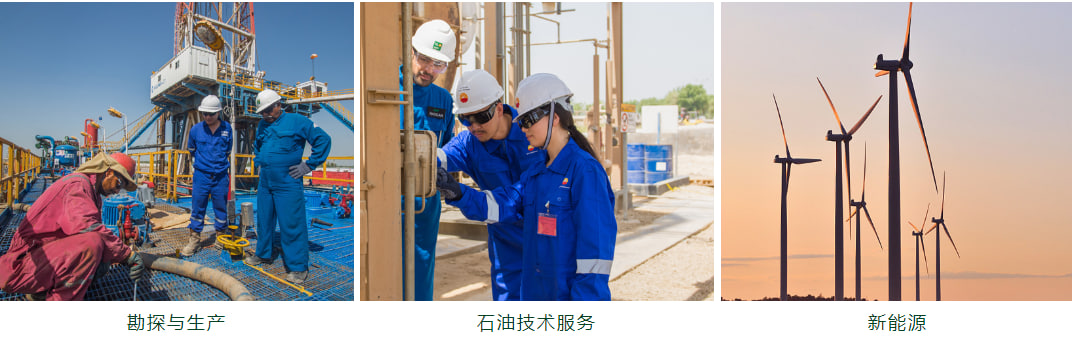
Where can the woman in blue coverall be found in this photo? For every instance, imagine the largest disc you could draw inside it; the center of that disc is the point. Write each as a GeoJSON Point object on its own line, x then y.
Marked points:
{"type": "Point", "coordinates": [567, 206]}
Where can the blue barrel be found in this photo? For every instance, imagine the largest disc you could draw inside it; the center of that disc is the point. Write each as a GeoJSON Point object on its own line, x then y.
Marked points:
{"type": "Point", "coordinates": [658, 162]}
{"type": "Point", "coordinates": [635, 163]}
{"type": "Point", "coordinates": [655, 177]}
{"type": "Point", "coordinates": [635, 176]}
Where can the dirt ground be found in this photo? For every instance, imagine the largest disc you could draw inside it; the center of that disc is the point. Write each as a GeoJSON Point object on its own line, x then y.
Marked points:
{"type": "Point", "coordinates": [683, 272]}
{"type": "Point", "coordinates": [467, 277]}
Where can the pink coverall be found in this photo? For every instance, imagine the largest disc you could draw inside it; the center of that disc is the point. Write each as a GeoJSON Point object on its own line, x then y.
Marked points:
{"type": "Point", "coordinates": [60, 242]}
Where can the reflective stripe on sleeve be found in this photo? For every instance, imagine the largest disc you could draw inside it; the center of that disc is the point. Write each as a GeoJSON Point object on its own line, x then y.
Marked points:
{"type": "Point", "coordinates": [493, 208]}
{"type": "Point", "coordinates": [90, 228]}
{"type": "Point", "coordinates": [596, 266]}
{"type": "Point", "coordinates": [442, 156]}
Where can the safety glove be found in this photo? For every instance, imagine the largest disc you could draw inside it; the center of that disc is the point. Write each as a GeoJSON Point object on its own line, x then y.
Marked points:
{"type": "Point", "coordinates": [299, 170]}
{"type": "Point", "coordinates": [448, 187]}
{"type": "Point", "coordinates": [137, 266]}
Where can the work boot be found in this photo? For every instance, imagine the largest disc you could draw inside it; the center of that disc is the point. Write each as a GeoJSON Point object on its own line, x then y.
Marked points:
{"type": "Point", "coordinates": [297, 277]}
{"type": "Point", "coordinates": [253, 260]}
{"type": "Point", "coordinates": [194, 245]}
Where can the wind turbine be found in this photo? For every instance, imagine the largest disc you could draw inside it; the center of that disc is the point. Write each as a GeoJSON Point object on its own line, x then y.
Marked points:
{"type": "Point", "coordinates": [919, 241]}
{"type": "Point", "coordinates": [839, 233]}
{"type": "Point", "coordinates": [885, 67]}
{"type": "Point", "coordinates": [862, 205]}
{"type": "Point", "coordinates": [787, 166]}
{"type": "Point", "coordinates": [940, 221]}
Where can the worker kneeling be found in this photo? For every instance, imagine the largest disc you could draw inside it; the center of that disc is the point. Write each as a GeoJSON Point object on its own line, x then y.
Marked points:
{"type": "Point", "coordinates": [61, 242]}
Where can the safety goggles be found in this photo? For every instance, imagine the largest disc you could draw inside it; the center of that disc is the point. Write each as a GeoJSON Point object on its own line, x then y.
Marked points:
{"type": "Point", "coordinates": [479, 117]}
{"type": "Point", "coordinates": [531, 117]}
{"type": "Point", "coordinates": [425, 61]}
{"type": "Point", "coordinates": [266, 111]}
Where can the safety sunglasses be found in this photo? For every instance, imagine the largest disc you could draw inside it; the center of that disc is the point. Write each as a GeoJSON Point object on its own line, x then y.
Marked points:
{"type": "Point", "coordinates": [206, 114]}
{"type": "Point", "coordinates": [528, 119]}
{"type": "Point", "coordinates": [437, 65]}
{"type": "Point", "coordinates": [479, 117]}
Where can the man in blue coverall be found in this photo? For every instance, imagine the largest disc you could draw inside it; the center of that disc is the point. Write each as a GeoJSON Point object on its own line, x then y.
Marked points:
{"type": "Point", "coordinates": [494, 152]}
{"type": "Point", "coordinates": [278, 149]}
{"type": "Point", "coordinates": [433, 49]}
{"type": "Point", "coordinates": [210, 146]}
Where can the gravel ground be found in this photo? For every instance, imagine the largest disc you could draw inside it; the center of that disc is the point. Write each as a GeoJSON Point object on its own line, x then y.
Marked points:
{"type": "Point", "coordinates": [684, 272]}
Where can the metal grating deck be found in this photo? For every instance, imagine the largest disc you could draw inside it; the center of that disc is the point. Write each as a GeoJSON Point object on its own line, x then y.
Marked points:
{"type": "Point", "coordinates": [331, 258]}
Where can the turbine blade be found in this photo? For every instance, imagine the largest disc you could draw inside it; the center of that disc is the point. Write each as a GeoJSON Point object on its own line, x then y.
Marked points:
{"type": "Point", "coordinates": [784, 140]}
{"type": "Point", "coordinates": [924, 246]}
{"type": "Point", "coordinates": [908, 31]}
{"type": "Point", "coordinates": [863, 189]}
{"type": "Point", "coordinates": [931, 229]}
{"type": "Point", "coordinates": [864, 118]}
{"type": "Point", "coordinates": [832, 106]}
{"type": "Point", "coordinates": [848, 169]}
{"type": "Point", "coordinates": [919, 120]}
{"type": "Point", "coordinates": [788, 173]}
{"type": "Point", "coordinates": [881, 73]}
{"type": "Point", "coordinates": [924, 224]}
{"type": "Point", "coordinates": [868, 214]}
{"type": "Point", "coordinates": [854, 212]}
{"type": "Point", "coordinates": [913, 226]}
{"type": "Point", "coordinates": [946, 229]}
{"type": "Point", "coordinates": [942, 215]}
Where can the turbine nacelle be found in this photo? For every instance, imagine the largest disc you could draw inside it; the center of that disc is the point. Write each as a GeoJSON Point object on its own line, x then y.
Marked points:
{"type": "Point", "coordinates": [830, 136]}
{"type": "Point", "coordinates": [887, 65]}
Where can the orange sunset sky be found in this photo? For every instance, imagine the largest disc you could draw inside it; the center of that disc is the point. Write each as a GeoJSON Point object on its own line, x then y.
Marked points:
{"type": "Point", "coordinates": [992, 82]}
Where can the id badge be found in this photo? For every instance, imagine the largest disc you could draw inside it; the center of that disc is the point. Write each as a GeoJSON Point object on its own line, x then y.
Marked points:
{"type": "Point", "coordinates": [546, 225]}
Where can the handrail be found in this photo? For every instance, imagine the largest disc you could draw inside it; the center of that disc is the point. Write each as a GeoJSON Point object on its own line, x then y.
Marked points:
{"type": "Point", "coordinates": [18, 169]}
{"type": "Point", "coordinates": [170, 178]}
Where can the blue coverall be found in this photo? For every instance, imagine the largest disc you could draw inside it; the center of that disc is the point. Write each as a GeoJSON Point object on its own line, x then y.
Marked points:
{"type": "Point", "coordinates": [280, 198]}
{"type": "Point", "coordinates": [574, 263]}
{"type": "Point", "coordinates": [494, 164]}
{"type": "Point", "coordinates": [211, 152]}
{"type": "Point", "coordinates": [433, 109]}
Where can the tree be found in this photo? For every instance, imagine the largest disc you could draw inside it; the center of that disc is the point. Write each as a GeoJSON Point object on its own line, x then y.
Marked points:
{"type": "Point", "coordinates": [694, 98]}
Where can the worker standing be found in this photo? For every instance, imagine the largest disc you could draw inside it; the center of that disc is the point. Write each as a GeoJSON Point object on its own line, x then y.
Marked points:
{"type": "Point", "coordinates": [566, 206]}
{"type": "Point", "coordinates": [277, 150]}
{"type": "Point", "coordinates": [209, 144]}
{"type": "Point", "coordinates": [61, 242]}
{"type": "Point", "coordinates": [494, 152]}
{"type": "Point", "coordinates": [433, 49]}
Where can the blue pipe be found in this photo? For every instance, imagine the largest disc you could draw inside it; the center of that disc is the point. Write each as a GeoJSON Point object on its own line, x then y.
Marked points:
{"type": "Point", "coordinates": [52, 148]}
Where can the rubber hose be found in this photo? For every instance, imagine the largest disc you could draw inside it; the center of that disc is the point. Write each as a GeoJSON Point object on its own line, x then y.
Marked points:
{"type": "Point", "coordinates": [224, 282]}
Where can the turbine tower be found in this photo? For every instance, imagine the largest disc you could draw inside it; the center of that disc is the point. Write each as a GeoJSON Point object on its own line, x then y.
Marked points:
{"type": "Point", "coordinates": [940, 221]}
{"type": "Point", "coordinates": [862, 205]}
{"type": "Point", "coordinates": [890, 67]}
{"type": "Point", "coordinates": [918, 233]}
{"type": "Point", "coordinates": [839, 233]}
{"type": "Point", "coordinates": [787, 166]}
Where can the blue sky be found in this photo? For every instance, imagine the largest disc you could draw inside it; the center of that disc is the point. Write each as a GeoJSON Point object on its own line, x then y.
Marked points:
{"type": "Point", "coordinates": [66, 62]}
{"type": "Point", "coordinates": [666, 45]}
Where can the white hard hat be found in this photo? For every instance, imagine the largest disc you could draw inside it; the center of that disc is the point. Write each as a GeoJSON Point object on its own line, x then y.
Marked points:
{"type": "Point", "coordinates": [267, 98]}
{"type": "Point", "coordinates": [435, 39]}
{"type": "Point", "coordinates": [210, 104]}
{"type": "Point", "coordinates": [538, 90]}
{"type": "Point", "coordinates": [477, 90]}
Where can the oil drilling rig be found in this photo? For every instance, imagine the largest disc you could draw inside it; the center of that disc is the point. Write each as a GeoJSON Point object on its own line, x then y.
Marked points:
{"type": "Point", "coordinates": [215, 53]}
